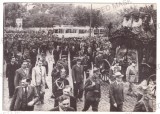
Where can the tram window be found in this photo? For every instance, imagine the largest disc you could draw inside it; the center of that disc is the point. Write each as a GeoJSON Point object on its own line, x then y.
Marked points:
{"type": "Point", "coordinates": [73, 31]}
{"type": "Point", "coordinates": [101, 31]}
{"type": "Point", "coordinates": [55, 30]}
{"type": "Point", "coordinates": [82, 31]}
{"type": "Point", "coordinates": [96, 31]}
{"type": "Point", "coordinates": [68, 31]}
{"type": "Point", "coordinates": [60, 30]}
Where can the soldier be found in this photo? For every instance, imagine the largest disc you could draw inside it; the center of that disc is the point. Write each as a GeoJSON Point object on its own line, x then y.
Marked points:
{"type": "Point", "coordinates": [131, 76]}
{"type": "Point", "coordinates": [55, 75]}
{"type": "Point", "coordinates": [78, 78]}
{"type": "Point", "coordinates": [92, 91]}
{"type": "Point", "coordinates": [59, 84]}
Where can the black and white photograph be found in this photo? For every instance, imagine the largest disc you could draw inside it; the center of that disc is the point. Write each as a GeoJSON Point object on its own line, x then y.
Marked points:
{"type": "Point", "coordinates": [79, 57]}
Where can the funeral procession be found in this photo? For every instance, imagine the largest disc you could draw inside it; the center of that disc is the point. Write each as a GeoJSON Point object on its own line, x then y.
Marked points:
{"type": "Point", "coordinates": [79, 57]}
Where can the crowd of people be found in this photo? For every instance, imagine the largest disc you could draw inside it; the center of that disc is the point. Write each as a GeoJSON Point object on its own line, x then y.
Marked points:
{"type": "Point", "coordinates": [27, 68]}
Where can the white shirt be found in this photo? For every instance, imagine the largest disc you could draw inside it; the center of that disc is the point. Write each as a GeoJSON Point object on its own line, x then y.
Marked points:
{"type": "Point", "coordinates": [24, 89]}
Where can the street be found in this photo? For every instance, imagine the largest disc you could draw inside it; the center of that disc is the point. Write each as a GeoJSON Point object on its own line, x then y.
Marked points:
{"type": "Point", "coordinates": [49, 102]}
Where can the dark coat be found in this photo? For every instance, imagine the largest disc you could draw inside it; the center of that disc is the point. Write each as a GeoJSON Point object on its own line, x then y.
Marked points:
{"type": "Point", "coordinates": [10, 71]}
{"type": "Point", "coordinates": [92, 93]}
{"type": "Point", "coordinates": [98, 61]}
{"type": "Point", "coordinates": [10, 74]}
{"type": "Point", "coordinates": [73, 103]}
{"type": "Point", "coordinates": [77, 73]}
{"type": "Point", "coordinates": [59, 91]}
{"type": "Point", "coordinates": [17, 98]}
{"type": "Point", "coordinates": [33, 56]}
{"type": "Point", "coordinates": [116, 93]}
{"type": "Point", "coordinates": [57, 109]}
{"type": "Point", "coordinates": [56, 55]}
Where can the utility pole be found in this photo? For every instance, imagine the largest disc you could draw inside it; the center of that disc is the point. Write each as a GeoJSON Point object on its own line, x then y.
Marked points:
{"type": "Point", "coordinates": [90, 21]}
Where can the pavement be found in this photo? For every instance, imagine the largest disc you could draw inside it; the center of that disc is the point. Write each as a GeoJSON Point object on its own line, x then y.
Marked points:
{"type": "Point", "coordinates": [104, 104]}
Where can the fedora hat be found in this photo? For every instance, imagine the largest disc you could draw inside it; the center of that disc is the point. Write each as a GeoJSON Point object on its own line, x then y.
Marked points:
{"type": "Point", "coordinates": [118, 74]}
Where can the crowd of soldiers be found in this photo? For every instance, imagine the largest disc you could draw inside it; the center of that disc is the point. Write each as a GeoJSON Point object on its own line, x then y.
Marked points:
{"type": "Point", "coordinates": [27, 68]}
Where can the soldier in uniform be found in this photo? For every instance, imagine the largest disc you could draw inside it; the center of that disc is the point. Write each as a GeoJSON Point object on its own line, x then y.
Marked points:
{"type": "Point", "coordinates": [59, 84]}
{"type": "Point", "coordinates": [131, 76]}
{"type": "Point", "coordinates": [78, 78]}
{"type": "Point", "coordinates": [92, 91]}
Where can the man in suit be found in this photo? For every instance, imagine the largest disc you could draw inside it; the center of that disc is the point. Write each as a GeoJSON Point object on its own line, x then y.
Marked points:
{"type": "Point", "coordinates": [78, 78]}
{"type": "Point", "coordinates": [67, 91]}
{"type": "Point", "coordinates": [116, 93]}
{"type": "Point", "coordinates": [92, 91]}
{"type": "Point", "coordinates": [64, 104]}
{"type": "Point", "coordinates": [39, 80]}
{"type": "Point", "coordinates": [25, 97]}
{"type": "Point", "coordinates": [59, 84]}
{"type": "Point", "coordinates": [10, 74]}
{"type": "Point", "coordinates": [21, 73]}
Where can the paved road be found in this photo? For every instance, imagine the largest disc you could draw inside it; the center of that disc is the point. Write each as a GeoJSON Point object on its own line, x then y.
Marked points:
{"type": "Point", "coordinates": [49, 103]}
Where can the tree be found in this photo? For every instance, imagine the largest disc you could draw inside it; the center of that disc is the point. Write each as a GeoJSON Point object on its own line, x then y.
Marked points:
{"type": "Point", "coordinates": [13, 11]}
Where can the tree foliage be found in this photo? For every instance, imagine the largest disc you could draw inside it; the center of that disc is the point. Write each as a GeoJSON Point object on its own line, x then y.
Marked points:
{"type": "Point", "coordinates": [47, 15]}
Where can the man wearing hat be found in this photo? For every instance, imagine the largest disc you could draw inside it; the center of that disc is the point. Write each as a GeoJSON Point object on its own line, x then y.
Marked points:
{"type": "Point", "coordinates": [78, 78]}
{"type": "Point", "coordinates": [116, 93]}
